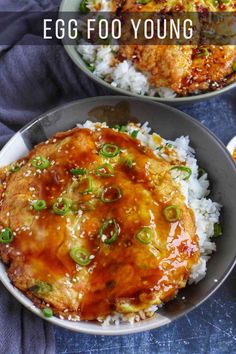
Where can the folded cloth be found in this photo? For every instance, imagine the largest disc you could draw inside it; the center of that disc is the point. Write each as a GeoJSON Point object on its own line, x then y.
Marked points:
{"type": "Point", "coordinates": [33, 79]}
{"type": "Point", "coordinates": [21, 331]}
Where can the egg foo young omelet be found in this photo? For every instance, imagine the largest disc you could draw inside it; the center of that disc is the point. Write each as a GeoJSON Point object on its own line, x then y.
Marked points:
{"type": "Point", "coordinates": [93, 223]}
{"type": "Point", "coordinates": [166, 70]}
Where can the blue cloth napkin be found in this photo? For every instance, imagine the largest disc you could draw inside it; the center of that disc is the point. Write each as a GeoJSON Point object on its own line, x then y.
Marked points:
{"type": "Point", "coordinates": [33, 79]}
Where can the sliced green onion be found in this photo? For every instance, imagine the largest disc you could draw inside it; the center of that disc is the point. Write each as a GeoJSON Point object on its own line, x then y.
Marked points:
{"type": "Point", "coordinates": [159, 148]}
{"type": "Point", "coordinates": [143, 2]}
{"type": "Point", "coordinates": [172, 213]}
{"type": "Point", "coordinates": [78, 171]}
{"type": "Point", "coordinates": [6, 235]}
{"type": "Point", "coordinates": [47, 312]}
{"type": "Point", "coordinates": [61, 206]}
{"type": "Point", "coordinates": [204, 53]}
{"type": "Point", "coordinates": [234, 66]}
{"type": "Point", "coordinates": [111, 194]}
{"type": "Point", "coordinates": [15, 168]}
{"type": "Point", "coordinates": [105, 170]}
{"type": "Point", "coordinates": [40, 162]}
{"type": "Point", "coordinates": [39, 205]}
{"type": "Point", "coordinates": [201, 172]}
{"type": "Point", "coordinates": [170, 146]}
{"type": "Point", "coordinates": [41, 288]}
{"type": "Point", "coordinates": [90, 67]}
{"type": "Point", "coordinates": [86, 185]}
{"type": "Point", "coordinates": [83, 7]}
{"type": "Point", "coordinates": [134, 134]}
{"type": "Point", "coordinates": [127, 160]}
{"type": "Point", "coordinates": [80, 255]}
{"type": "Point", "coordinates": [88, 206]}
{"type": "Point", "coordinates": [185, 169]}
{"type": "Point", "coordinates": [144, 235]}
{"type": "Point", "coordinates": [217, 230]}
{"type": "Point", "coordinates": [109, 150]}
{"type": "Point", "coordinates": [121, 128]}
{"type": "Point", "coordinates": [109, 231]}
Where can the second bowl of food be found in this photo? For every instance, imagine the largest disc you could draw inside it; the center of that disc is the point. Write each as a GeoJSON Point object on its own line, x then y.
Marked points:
{"type": "Point", "coordinates": [166, 73]}
{"type": "Point", "coordinates": [120, 220]}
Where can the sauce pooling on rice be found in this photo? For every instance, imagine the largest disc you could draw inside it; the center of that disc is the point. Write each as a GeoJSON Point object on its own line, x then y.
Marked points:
{"type": "Point", "coordinates": [98, 225]}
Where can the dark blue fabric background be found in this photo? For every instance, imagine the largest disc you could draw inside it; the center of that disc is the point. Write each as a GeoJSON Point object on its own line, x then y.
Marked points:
{"type": "Point", "coordinates": [33, 79]}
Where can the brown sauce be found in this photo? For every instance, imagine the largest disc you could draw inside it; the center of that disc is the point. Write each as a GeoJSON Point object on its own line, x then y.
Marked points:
{"type": "Point", "coordinates": [126, 270]}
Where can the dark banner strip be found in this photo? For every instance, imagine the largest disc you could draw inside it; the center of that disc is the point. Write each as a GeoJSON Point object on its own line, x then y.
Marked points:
{"type": "Point", "coordinates": [103, 28]}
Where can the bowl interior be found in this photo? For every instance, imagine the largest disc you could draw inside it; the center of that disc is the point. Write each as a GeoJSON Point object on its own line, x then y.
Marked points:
{"type": "Point", "coordinates": [169, 123]}
{"type": "Point", "coordinates": [68, 7]}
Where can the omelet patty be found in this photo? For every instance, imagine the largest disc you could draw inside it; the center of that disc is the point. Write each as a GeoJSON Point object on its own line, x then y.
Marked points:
{"type": "Point", "coordinates": [186, 69]}
{"type": "Point", "coordinates": [92, 223]}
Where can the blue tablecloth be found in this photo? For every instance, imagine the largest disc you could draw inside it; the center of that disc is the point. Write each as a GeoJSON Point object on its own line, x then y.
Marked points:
{"type": "Point", "coordinates": [209, 329]}
{"type": "Point", "coordinates": [34, 79]}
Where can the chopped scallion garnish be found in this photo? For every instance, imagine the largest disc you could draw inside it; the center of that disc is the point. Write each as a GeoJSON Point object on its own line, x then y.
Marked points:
{"type": "Point", "coordinates": [187, 171]}
{"type": "Point", "coordinates": [83, 7]}
{"type": "Point", "coordinates": [201, 172]}
{"type": "Point", "coordinates": [172, 213]}
{"type": "Point", "coordinates": [15, 168]}
{"type": "Point", "coordinates": [61, 206]}
{"type": "Point", "coordinates": [40, 162]}
{"type": "Point", "coordinates": [80, 255]}
{"type": "Point", "coordinates": [105, 170]}
{"type": "Point", "coordinates": [109, 231]}
{"type": "Point", "coordinates": [6, 235]}
{"type": "Point", "coordinates": [203, 53]}
{"type": "Point", "coordinates": [134, 133]}
{"type": "Point", "coordinates": [144, 235]}
{"type": "Point", "coordinates": [86, 185]}
{"type": "Point", "coordinates": [109, 150]}
{"type": "Point", "coordinates": [39, 205]}
{"type": "Point", "coordinates": [78, 171]}
{"type": "Point", "coordinates": [90, 67]}
{"type": "Point", "coordinates": [47, 312]}
{"type": "Point", "coordinates": [143, 2]}
{"type": "Point", "coordinates": [41, 288]}
{"type": "Point", "coordinates": [234, 66]}
{"type": "Point", "coordinates": [217, 230]}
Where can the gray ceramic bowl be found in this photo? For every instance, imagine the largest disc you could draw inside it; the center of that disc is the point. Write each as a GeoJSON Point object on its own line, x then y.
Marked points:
{"type": "Point", "coordinates": [170, 123]}
{"type": "Point", "coordinates": [73, 6]}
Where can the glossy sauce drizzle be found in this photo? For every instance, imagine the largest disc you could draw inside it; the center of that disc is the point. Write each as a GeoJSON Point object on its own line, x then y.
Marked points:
{"type": "Point", "coordinates": [126, 275]}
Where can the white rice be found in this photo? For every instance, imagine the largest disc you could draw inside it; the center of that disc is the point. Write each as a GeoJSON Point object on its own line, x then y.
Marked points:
{"type": "Point", "coordinates": [194, 189]}
{"type": "Point", "coordinates": [123, 75]}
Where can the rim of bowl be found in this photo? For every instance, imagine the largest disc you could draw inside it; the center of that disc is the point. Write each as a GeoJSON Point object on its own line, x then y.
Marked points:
{"type": "Point", "coordinates": [77, 59]}
{"type": "Point", "coordinates": [145, 326]}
